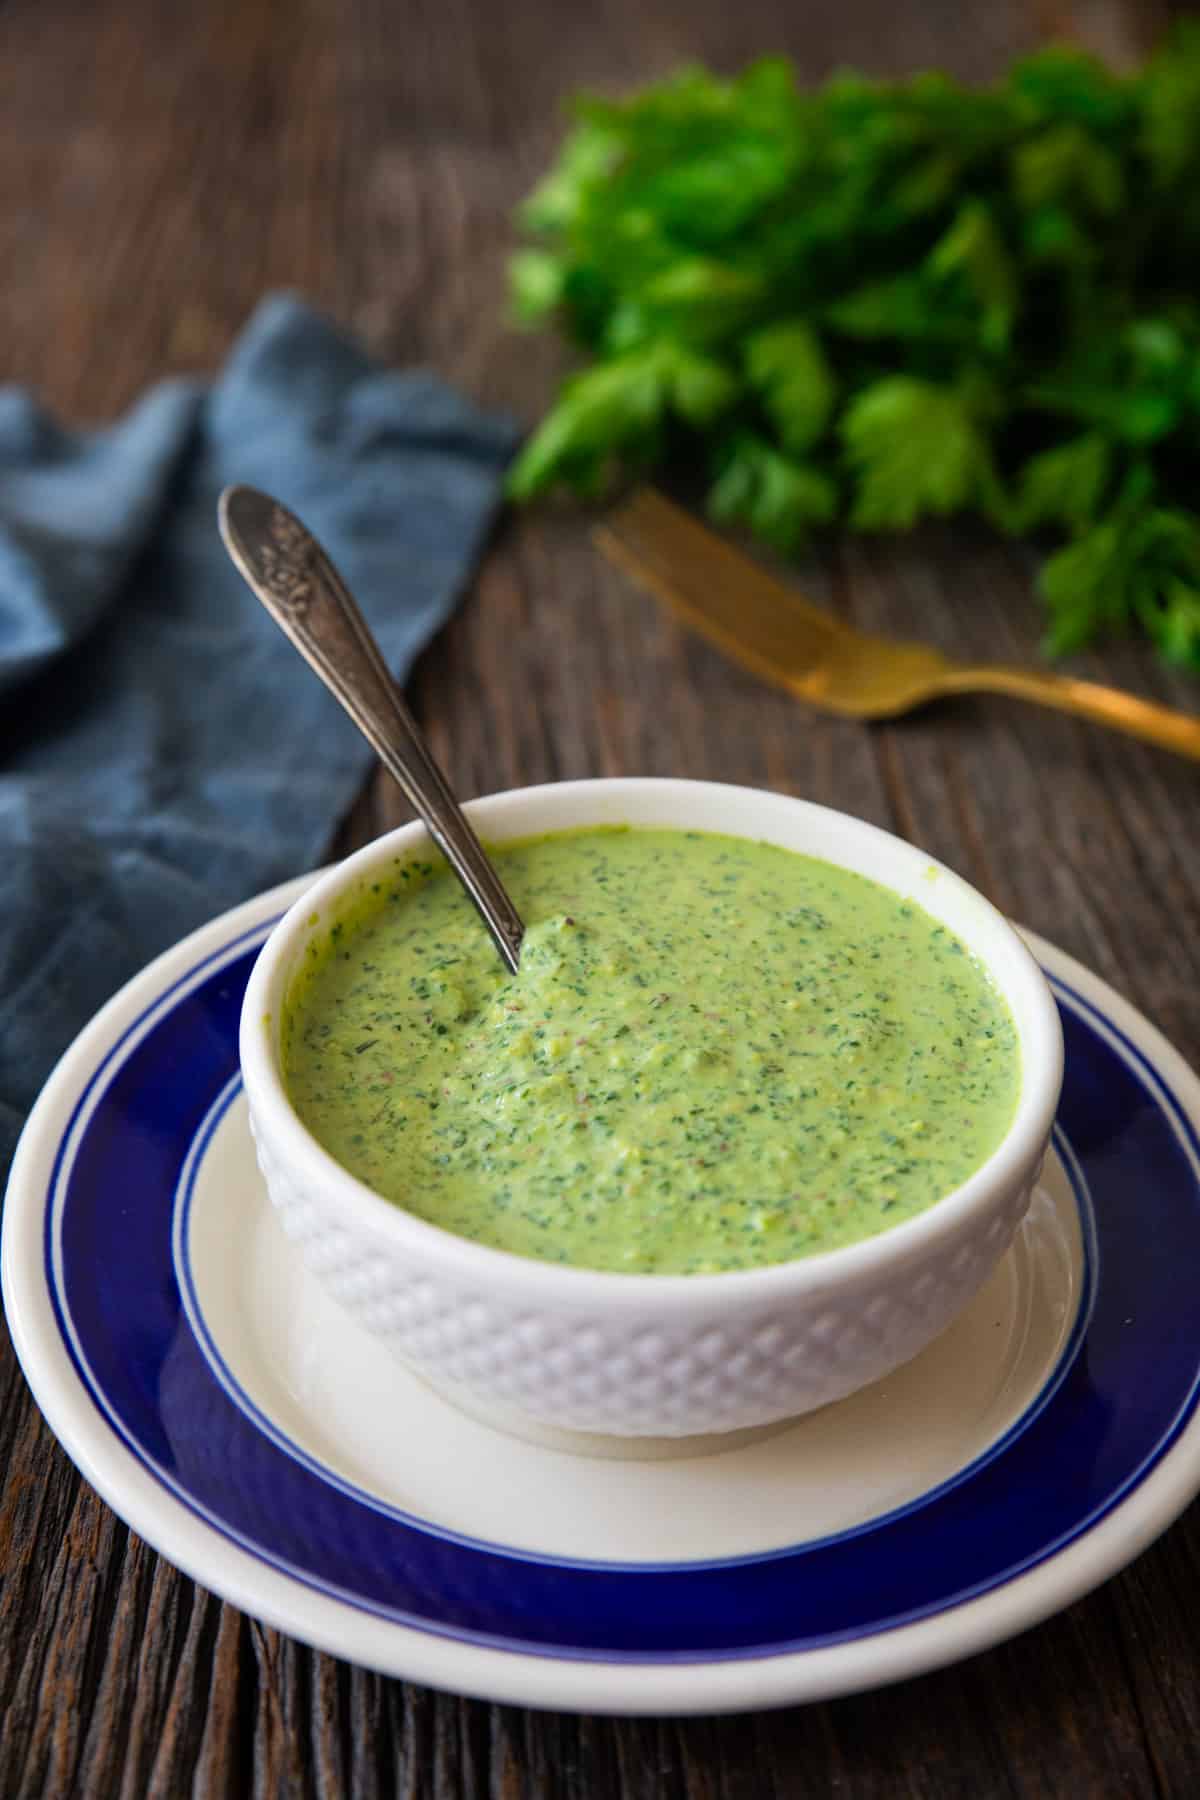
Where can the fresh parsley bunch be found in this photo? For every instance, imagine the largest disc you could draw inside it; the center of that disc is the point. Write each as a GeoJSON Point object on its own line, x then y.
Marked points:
{"type": "Point", "coordinates": [884, 301]}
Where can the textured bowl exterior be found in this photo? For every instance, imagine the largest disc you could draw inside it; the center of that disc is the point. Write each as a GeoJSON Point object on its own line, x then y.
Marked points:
{"type": "Point", "coordinates": [630, 1355]}
{"type": "Point", "coordinates": [715, 1368]}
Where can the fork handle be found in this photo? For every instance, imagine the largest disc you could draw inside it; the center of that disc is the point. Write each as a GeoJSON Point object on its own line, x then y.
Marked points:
{"type": "Point", "coordinates": [1159, 725]}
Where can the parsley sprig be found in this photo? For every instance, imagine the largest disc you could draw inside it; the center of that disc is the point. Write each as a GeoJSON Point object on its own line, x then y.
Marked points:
{"type": "Point", "coordinates": [881, 302]}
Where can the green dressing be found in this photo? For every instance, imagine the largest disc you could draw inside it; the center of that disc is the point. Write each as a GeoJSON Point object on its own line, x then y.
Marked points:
{"type": "Point", "coordinates": [716, 1054]}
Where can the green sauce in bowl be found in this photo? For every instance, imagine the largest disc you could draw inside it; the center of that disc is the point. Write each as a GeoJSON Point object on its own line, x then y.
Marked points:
{"type": "Point", "coordinates": [717, 1054]}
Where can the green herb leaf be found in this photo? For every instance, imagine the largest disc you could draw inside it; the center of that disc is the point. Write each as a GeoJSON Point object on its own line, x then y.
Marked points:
{"type": "Point", "coordinates": [1065, 84]}
{"type": "Point", "coordinates": [915, 448]}
{"type": "Point", "coordinates": [974, 253]}
{"type": "Point", "coordinates": [1132, 384]}
{"type": "Point", "coordinates": [1065, 485]}
{"type": "Point", "coordinates": [1170, 131]}
{"type": "Point", "coordinates": [536, 279]}
{"type": "Point", "coordinates": [696, 388]}
{"type": "Point", "coordinates": [778, 497]}
{"type": "Point", "coordinates": [1064, 166]}
{"type": "Point", "coordinates": [1143, 566]}
{"type": "Point", "coordinates": [619, 409]}
{"type": "Point", "coordinates": [589, 155]}
{"type": "Point", "coordinates": [787, 368]}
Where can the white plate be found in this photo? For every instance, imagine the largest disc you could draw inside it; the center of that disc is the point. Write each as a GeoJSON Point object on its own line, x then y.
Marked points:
{"type": "Point", "coordinates": [219, 1401]}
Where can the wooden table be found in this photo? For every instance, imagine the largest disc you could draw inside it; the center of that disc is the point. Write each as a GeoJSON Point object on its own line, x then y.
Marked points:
{"type": "Point", "coordinates": [161, 165]}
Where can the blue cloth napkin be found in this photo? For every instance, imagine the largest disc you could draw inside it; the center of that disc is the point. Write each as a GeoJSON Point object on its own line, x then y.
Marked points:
{"type": "Point", "coordinates": [164, 752]}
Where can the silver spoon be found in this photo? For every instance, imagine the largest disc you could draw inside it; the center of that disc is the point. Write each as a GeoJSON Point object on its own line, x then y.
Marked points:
{"type": "Point", "coordinates": [309, 601]}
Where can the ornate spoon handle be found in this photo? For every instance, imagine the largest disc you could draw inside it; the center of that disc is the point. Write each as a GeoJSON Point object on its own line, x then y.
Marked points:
{"type": "Point", "coordinates": [309, 601]}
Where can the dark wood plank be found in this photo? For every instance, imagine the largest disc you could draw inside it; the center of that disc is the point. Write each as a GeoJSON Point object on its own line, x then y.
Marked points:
{"type": "Point", "coordinates": [160, 166]}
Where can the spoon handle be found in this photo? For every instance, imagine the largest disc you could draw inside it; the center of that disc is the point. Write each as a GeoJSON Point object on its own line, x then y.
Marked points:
{"type": "Point", "coordinates": [309, 601]}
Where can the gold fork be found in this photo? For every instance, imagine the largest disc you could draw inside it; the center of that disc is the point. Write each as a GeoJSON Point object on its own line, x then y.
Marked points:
{"type": "Point", "coordinates": [769, 628]}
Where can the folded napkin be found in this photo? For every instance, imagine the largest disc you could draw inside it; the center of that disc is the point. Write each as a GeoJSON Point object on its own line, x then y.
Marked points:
{"type": "Point", "coordinates": [163, 750]}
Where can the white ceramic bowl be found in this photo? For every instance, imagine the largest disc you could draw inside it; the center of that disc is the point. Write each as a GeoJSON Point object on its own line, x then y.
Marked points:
{"type": "Point", "coordinates": [666, 1356]}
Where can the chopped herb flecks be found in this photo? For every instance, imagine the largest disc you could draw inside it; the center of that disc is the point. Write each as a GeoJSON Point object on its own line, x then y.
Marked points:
{"type": "Point", "coordinates": [716, 1054]}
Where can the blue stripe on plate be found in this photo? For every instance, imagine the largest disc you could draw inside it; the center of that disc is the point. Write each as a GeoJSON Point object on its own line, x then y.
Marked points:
{"type": "Point", "coordinates": [1118, 1406]}
{"type": "Point", "coordinates": [238, 1394]}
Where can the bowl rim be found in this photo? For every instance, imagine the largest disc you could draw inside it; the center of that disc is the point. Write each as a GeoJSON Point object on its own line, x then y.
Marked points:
{"type": "Point", "coordinates": [436, 1250]}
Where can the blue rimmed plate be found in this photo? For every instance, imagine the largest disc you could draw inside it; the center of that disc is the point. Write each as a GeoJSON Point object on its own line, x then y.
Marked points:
{"type": "Point", "coordinates": [215, 1397]}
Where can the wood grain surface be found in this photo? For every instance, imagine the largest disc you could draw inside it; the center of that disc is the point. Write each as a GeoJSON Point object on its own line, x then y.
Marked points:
{"type": "Point", "coordinates": [161, 165]}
